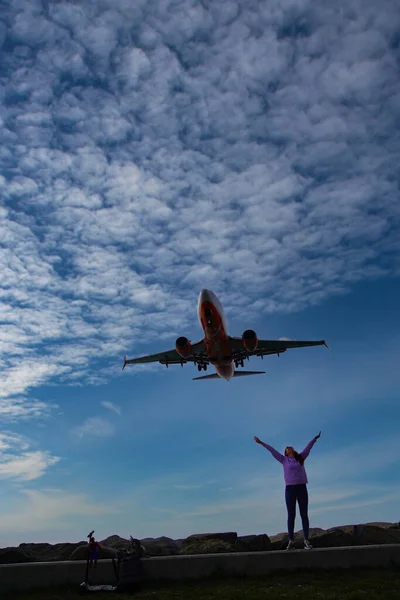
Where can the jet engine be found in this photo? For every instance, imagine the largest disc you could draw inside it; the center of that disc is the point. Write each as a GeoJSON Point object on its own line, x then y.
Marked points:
{"type": "Point", "coordinates": [250, 340]}
{"type": "Point", "coordinates": [183, 347]}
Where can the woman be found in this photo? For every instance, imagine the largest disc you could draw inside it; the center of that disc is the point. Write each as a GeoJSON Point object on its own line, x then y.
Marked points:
{"type": "Point", "coordinates": [296, 486]}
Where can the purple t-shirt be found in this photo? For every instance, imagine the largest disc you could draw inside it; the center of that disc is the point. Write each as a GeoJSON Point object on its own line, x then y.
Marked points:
{"type": "Point", "coordinates": [293, 472]}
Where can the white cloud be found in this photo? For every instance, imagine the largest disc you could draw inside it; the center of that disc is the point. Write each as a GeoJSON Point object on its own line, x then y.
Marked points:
{"type": "Point", "coordinates": [10, 440]}
{"type": "Point", "coordinates": [19, 379]}
{"type": "Point", "coordinates": [18, 462]}
{"type": "Point", "coordinates": [94, 427]}
{"type": "Point", "coordinates": [20, 408]}
{"type": "Point", "coordinates": [111, 406]}
{"type": "Point", "coordinates": [26, 467]}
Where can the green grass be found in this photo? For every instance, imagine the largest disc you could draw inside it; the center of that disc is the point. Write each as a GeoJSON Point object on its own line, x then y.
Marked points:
{"type": "Point", "coordinates": [361, 584]}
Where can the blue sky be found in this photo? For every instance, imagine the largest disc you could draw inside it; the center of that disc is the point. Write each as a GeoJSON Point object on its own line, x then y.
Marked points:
{"type": "Point", "coordinates": [148, 151]}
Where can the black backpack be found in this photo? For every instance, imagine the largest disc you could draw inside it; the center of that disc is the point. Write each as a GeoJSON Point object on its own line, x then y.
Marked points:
{"type": "Point", "coordinates": [130, 568]}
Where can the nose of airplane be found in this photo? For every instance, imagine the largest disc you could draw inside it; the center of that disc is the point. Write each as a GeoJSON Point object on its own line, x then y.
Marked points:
{"type": "Point", "coordinates": [204, 296]}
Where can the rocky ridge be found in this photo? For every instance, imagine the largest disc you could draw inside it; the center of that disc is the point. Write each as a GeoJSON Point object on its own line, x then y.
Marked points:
{"type": "Point", "coordinates": [206, 543]}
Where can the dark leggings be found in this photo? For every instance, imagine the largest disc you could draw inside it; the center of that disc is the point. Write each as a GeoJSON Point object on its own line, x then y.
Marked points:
{"type": "Point", "coordinates": [292, 493]}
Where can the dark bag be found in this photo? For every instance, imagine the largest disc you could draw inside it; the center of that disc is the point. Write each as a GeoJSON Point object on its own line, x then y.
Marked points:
{"type": "Point", "coordinates": [130, 574]}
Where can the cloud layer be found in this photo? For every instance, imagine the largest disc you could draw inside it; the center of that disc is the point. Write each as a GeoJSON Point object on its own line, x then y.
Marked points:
{"type": "Point", "coordinates": [147, 152]}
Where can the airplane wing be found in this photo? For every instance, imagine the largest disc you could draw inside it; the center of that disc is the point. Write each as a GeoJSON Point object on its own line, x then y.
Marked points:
{"type": "Point", "coordinates": [265, 347]}
{"type": "Point", "coordinates": [171, 357]}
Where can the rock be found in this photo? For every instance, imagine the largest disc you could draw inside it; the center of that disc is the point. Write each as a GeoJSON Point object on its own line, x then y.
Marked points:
{"type": "Point", "coordinates": [80, 554]}
{"type": "Point", "coordinates": [162, 546]}
{"type": "Point", "coordinates": [374, 534]}
{"type": "Point", "coordinates": [64, 551]}
{"type": "Point", "coordinates": [229, 538]}
{"type": "Point", "coordinates": [253, 543]}
{"type": "Point", "coordinates": [343, 535]}
{"type": "Point", "coordinates": [208, 543]}
{"type": "Point", "coordinates": [205, 543]}
{"type": "Point", "coordinates": [383, 524]}
{"type": "Point", "coordinates": [49, 552]}
{"type": "Point", "coordinates": [319, 538]}
{"type": "Point", "coordinates": [206, 546]}
{"type": "Point", "coordinates": [13, 555]}
{"type": "Point", "coordinates": [331, 538]}
{"type": "Point", "coordinates": [279, 541]}
{"type": "Point", "coordinates": [313, 533]}
{"type": "Point", "coordinates": [116, 542]}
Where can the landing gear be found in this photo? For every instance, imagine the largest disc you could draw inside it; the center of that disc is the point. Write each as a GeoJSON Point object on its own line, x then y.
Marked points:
{"type": "Point", "coordinates": [201, 366]}
{"type": "Point", "coordinates": [239, 363]}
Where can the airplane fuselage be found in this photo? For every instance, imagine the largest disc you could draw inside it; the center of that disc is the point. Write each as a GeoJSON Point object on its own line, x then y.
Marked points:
{"type": "Point", "coordinates": [216, 340]}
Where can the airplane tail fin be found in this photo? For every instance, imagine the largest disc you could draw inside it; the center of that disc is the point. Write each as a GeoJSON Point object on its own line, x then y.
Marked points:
{"type": "Point", "coordinates": [236, 374]}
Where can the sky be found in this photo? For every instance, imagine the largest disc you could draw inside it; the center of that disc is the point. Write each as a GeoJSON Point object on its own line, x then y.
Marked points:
{"type": "Point", "coordinates": [152, 149]}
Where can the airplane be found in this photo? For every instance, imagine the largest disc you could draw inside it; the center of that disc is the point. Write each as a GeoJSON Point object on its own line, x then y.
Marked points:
{"type": "Point", "coordinates": [218, 348]}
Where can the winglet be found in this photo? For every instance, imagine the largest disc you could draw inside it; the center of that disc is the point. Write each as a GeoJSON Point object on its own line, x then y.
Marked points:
{"type": "Point", "coordinates": [124, 362]}
{"type": "Point", "coordinates": [326, 345]}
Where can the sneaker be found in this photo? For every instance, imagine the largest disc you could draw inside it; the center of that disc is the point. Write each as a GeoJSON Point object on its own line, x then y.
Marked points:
{"type": "Point", "coordinates": [290, 546]}
{"type": "Point", "coordinates": [307, 545]}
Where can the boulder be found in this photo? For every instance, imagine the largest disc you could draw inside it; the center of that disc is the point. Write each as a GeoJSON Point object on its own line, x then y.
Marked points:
{"type": "Point", "coordinates": [14, 555]}
{"type": "Point", "coordinates": [49, 552]}
{"type": "Point", "coordinates": [179, 542]}
{"type": "Point", "coordinates": [384, 524]}
{"type": "Point", "coordinates": [116, 542]}
{"type": "Point", "coordinates": [343, 535]}
{"type": "Point", "coordinates": [253, 543]}
{"type": "Point", "coordinates": [64, 551]}
{"type": "Point", "coordinates": [206, 546]}
{"type": "Point", "coordinates": [229, 538]}
{"type": "Point", "coordinates": [314, 533]}
{"type": "Point", "coordinates": [331, 538]}
{"type": "Point", "coordinates": [279, 541]}
{"type": "Point", "coordinates": [372, 534]}
{"type": "Point", "coordinates": [208, 543]}
{"type": "Point", "coordinates": [205, 543]}
{"type": "Point", "coordinates": [320, 538]}
{"type": "Point", "coordinates": [162, 546]}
